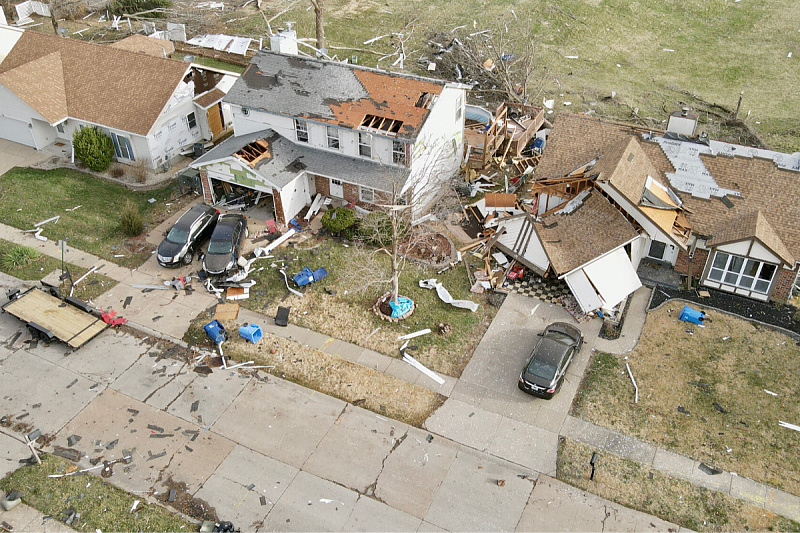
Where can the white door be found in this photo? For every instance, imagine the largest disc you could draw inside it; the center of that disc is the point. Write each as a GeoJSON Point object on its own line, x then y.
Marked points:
{"type": "Point", "coordinates": [337, 190]}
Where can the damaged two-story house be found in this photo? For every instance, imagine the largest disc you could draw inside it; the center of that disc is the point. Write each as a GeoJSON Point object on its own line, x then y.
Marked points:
{"type": "Point", "coordinates": [305, 126]}
{"type": "Point", "coordinates": [152, 107]}
{"type": "Point", "coordinates": [725, 215]}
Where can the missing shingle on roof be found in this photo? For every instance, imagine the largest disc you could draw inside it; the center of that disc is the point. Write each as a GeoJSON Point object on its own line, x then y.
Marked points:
{"type": "Point", "coordinates": [254, 152]}
{"type": "Point", "coordinates": [387, 125]}
{"type": "Point", "coordinates": [551, 225]}
{"type": "Point", "coordinates": [630, 157]}
{"type": "Point", "coordinates": [424, 101]}
{"type": "Point", "coordinates": [727, 201]}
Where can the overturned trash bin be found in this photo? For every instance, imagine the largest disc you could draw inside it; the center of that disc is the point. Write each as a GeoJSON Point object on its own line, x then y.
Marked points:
{"type": "Point", "coordinates": [692, 315]}
{"type": "Point", "coordinates": [251, 332]}
{"type": "Point", "coordinates": [215, 331]}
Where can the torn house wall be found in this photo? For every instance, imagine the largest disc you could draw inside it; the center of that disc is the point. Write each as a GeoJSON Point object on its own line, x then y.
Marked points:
{"type": "Point", "coordinates": [171, 132]}
{"type": "Point", "coordinates": [521, 242]}
{"type": "Point", "coordinates": [295, 196]}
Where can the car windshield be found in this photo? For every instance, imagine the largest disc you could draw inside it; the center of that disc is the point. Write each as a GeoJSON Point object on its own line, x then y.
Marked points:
{"type": "Point", "coordinates": [559, 336]}
{"type": "Point", "coordinates": [542, 369]}
{"type": "Point", "coordinates": [220, 247]}
{"type": "Point", "coordinates": [177, 235]}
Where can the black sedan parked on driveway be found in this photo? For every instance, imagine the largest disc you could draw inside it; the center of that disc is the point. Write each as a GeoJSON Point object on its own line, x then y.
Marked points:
{"type": "Point", "coordinates": [545, 371]}
{"type": "Point", "coordinates": [225, 244]}
{"type": "Point", "coordinates": [186, 235]}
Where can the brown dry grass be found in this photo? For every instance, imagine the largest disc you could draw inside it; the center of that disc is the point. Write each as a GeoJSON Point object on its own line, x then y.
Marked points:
{"type": "Point", "coordinates": [648, 490]}
{"type": "Point", "coordinates": [725, 366]}
{"type": "Point", "coordinates": [326, 373]}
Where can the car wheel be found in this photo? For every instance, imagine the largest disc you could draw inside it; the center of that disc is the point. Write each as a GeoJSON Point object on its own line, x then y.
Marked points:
{"type": "Point", "coordinates": [188, 258]}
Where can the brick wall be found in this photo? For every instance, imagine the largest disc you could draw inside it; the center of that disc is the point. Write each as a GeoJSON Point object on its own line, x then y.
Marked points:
{"type": "Point", "coordinates": [323, 185]}
{"type": "Point", "coordinates": [783, 284]}
{"type": "Point", "coordinates": [207, 196]}
{"type": "Point", "coordinates": [698, 262]}
{"type": "Point", "coordinates": [276, 197]}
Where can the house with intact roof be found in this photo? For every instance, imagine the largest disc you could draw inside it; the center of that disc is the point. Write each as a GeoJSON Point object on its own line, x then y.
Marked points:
{"type": "Point", "coordinates": [725, 215]}
{"type": "Point", "coordinates": [306, 126]}
{"type": "Point", "coordinates": [152, 107]}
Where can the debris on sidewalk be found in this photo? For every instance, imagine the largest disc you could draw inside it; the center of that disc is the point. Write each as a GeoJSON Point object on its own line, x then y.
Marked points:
{"type": "Point", "coordinates": [422, 368]}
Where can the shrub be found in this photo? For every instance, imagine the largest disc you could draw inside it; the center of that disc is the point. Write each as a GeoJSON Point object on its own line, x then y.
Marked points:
{"type": "Point", "coordinates": [376, 229]}
{"type": "Point", "coordinates": [338, 219]}
{"type": "Point", "coordinates": [131, 220]}
{"type": "Point", "coordinates": [94, 148]}
{"type": "Point", "coordinates": [18, 256]}
{"type": "Point", "coordinates": [117, 171]}
{"type": "Point", "coordinates": [120, 7]}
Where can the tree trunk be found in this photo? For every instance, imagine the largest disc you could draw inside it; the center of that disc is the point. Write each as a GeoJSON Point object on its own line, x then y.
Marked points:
{"type": "Point", "coordinates": [318, 7]}
{"type": "Point", "coordinates": [53, 19]}
{"type": "Point", "coordinates": [395, 251]}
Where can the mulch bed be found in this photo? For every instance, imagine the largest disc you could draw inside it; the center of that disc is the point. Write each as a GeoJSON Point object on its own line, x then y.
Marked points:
{"type": "Point", "coordinates": [781, 316]}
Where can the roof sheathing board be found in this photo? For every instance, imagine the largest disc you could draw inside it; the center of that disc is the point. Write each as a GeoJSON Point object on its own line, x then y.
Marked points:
{"type": "Point", "coordinates": [336, 93]}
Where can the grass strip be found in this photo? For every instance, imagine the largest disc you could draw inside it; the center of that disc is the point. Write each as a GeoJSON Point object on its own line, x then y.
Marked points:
{"type": "Point", "coordinates": [101, 505]}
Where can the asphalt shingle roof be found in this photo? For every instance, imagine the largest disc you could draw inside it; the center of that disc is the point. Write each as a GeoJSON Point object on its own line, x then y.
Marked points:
{"type": "Point", "coordinates": [96, 83]}
{"type": "Point", "coordinates": [332, 92]}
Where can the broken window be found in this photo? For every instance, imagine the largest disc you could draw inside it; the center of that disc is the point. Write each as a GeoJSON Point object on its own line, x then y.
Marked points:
{"type": "Point", "coordinates": [301, 130]}
{"type": "Point", "coordinates": [333, 137]}
{"type": "Point", "coordinates": [365, 144]}
{"type": "Point", "coordinates": [191, 120]}
{"type": "Point", "coordinates": [399, 152]}
{"type": "Point", "coordinates": [60, 127]}
{"type": "Point", "coordinates": [381, 124]}
{"type": "Point", "coordinates": [365, 194]}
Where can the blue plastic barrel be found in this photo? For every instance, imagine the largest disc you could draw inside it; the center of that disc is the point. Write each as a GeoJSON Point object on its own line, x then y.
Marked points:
{"type": "Point", "coordinates": [215, 331]}
{"type": "Point", "coordinates": [251, 332]}
{"type": "Point", "coordinates": [692, 315]}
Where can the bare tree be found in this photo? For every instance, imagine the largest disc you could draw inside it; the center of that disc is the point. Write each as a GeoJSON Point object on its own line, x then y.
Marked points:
{"type": "Point", "coordinates": [502, 60]}
{"type": "Point", "coordinates": [319, 5]}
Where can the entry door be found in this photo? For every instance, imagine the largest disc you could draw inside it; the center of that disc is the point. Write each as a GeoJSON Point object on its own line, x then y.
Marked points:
{"type": "Point", "coordinates": [336, 188]}
{"type": "Point", "coordinates": [214, 115]}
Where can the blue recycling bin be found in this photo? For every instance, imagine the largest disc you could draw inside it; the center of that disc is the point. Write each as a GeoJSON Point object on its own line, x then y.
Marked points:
{"type": "Point", "coordinates": [251, 332]}
{"type": "Point", "coordinates": [215, 331]}
{"type": "Point", "coordinates": [692, 315]}
{"type": "Point", "coordinates": [304, 277]}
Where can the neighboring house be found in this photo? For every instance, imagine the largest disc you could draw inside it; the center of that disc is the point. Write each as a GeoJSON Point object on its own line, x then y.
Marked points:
{"type": "Point", "coordinates": [347, 132]}
{"type": "Point", "coordinates": [727, 215]}
{"type": "Point", "coordinates": [153, 108]}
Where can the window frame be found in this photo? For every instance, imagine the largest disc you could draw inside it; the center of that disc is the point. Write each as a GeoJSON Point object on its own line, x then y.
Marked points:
{"type": "Point", "coordinates": [334, 141]}
{"type": "Point", "coordinates": [191, 120]}
{"type": "Point", "coordinates": [399, 157]}
{"type": "Point", "coordinates": [122, 147]}
{"type": "Point", "coordinates": [301, 127]}
{"type": "Point", "coordinates": [371, 193]}
{"type": "Point", "coordinates": [364, 148]}
{"type": "Point", "coordinates": [741, 272]}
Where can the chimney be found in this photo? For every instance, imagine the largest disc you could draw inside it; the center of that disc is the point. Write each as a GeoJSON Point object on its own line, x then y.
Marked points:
{"type": "Point", "coordinates": [682, 122]}
{"type": "Point", "coordinates": [285, 42]}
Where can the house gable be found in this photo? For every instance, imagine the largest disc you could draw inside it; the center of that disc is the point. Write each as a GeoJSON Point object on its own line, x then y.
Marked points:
{"type": "Point", "coordinates": [46, 75]}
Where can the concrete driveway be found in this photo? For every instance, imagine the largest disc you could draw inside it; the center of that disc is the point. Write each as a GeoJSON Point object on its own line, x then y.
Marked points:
{"type": "Point", "coordinates": [18, 155]}
{"type": "Point", "coordinates": [487, 411]}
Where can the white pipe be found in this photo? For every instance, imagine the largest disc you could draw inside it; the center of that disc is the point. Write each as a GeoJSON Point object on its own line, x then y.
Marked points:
{"type": "Point", "coordinates": [636, 397]}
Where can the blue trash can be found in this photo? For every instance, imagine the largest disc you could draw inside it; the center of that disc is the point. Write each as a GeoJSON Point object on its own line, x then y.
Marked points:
{"type": "Point", "coordinates": [251, 332]}
{"type": "Point", "coordinates": [304, 277]}
{"type": "Point", "coordinates": [692, 315]}
{"type": "Point", "coordinates": [215, 331]}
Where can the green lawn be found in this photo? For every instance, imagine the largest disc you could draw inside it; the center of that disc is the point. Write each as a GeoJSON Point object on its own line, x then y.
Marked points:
{"type": "Point", "coordinates": [721, 48]}
{"type": "Point", "coordinates": [40, 265]}
{"type": "Point", "coordinates": [31, 195]}
{"type": "Point", "coordinates": [102, 506]}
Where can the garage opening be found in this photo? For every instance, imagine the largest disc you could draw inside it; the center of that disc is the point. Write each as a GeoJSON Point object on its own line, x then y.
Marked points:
{"type": "Point", "coordinates": [258, 204]}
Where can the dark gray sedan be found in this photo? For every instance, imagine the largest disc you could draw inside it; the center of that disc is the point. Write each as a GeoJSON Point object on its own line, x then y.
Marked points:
{"type": "Point", "coordinates": [186, 236]}
{"type": "Point", "coordinates": [225, 244]}
{"type": "Point", "coordinates": [557, 346]}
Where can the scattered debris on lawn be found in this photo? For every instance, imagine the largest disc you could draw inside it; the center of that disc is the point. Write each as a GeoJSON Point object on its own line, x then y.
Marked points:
{"type": "Point", "coordinates": [445, 296]}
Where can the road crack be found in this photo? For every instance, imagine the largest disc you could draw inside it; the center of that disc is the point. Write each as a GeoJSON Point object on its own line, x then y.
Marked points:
{"type": "Point", "coordinates": [370, 489]}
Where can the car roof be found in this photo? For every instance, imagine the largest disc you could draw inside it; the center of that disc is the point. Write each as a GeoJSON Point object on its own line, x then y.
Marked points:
{"type": "Point", "coordinates": [229, 220]}
{"type": "Point", "coordinates": [550, 351]}
{"type": "Point", "coordinates": [189, 217]}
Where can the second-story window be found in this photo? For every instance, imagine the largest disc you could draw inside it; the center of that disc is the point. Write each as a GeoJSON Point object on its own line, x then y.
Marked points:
{"type": "Point", "coordinates": [365, 144]}
{"type": "Point", "coordinates": [301, 130]}
{"type": "Point", "coordinates": [333, 138]}
{"type": "Point", "coordinates": [191, 120]}
{"type": "Point", "coordinates": [399, 152]}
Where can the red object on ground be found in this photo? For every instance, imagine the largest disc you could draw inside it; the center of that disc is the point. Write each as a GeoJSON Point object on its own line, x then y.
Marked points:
{"type": "Point", "coordinates": [516, 272]}
{"type": "Point", "coordinates": [108, 318]}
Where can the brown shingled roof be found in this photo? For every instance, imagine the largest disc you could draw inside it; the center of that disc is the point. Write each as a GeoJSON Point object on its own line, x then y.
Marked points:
{"type": "Point", "coordinates": [47, 74]}
{"type": "Point", "coordinates": [626, 167]}
{"type": "Point", "coordinates": [764, 187]}
{"type": "Point", "coordinates": [206, 100]}
{"type": "Point", "coordinates": [753, 225]}
{"type": "Point", "coordinates": [592, 230]}
{"type": "Point", "coordinates": [104, 85]}
{"type": "Point", "coordinates": [145, 45]}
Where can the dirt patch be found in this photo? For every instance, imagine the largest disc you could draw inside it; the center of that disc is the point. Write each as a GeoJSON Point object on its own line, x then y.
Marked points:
{"type": "Point", "coordinates": [714, 393]}
{"type": "Point", "coordinates": [326, 373]}
{"type": "Point", "coordinates": [186, 503]}
{"type": "Point", "coordinates": [430, 249]}
{"type": "Point", "coordinates": [651, 491]}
